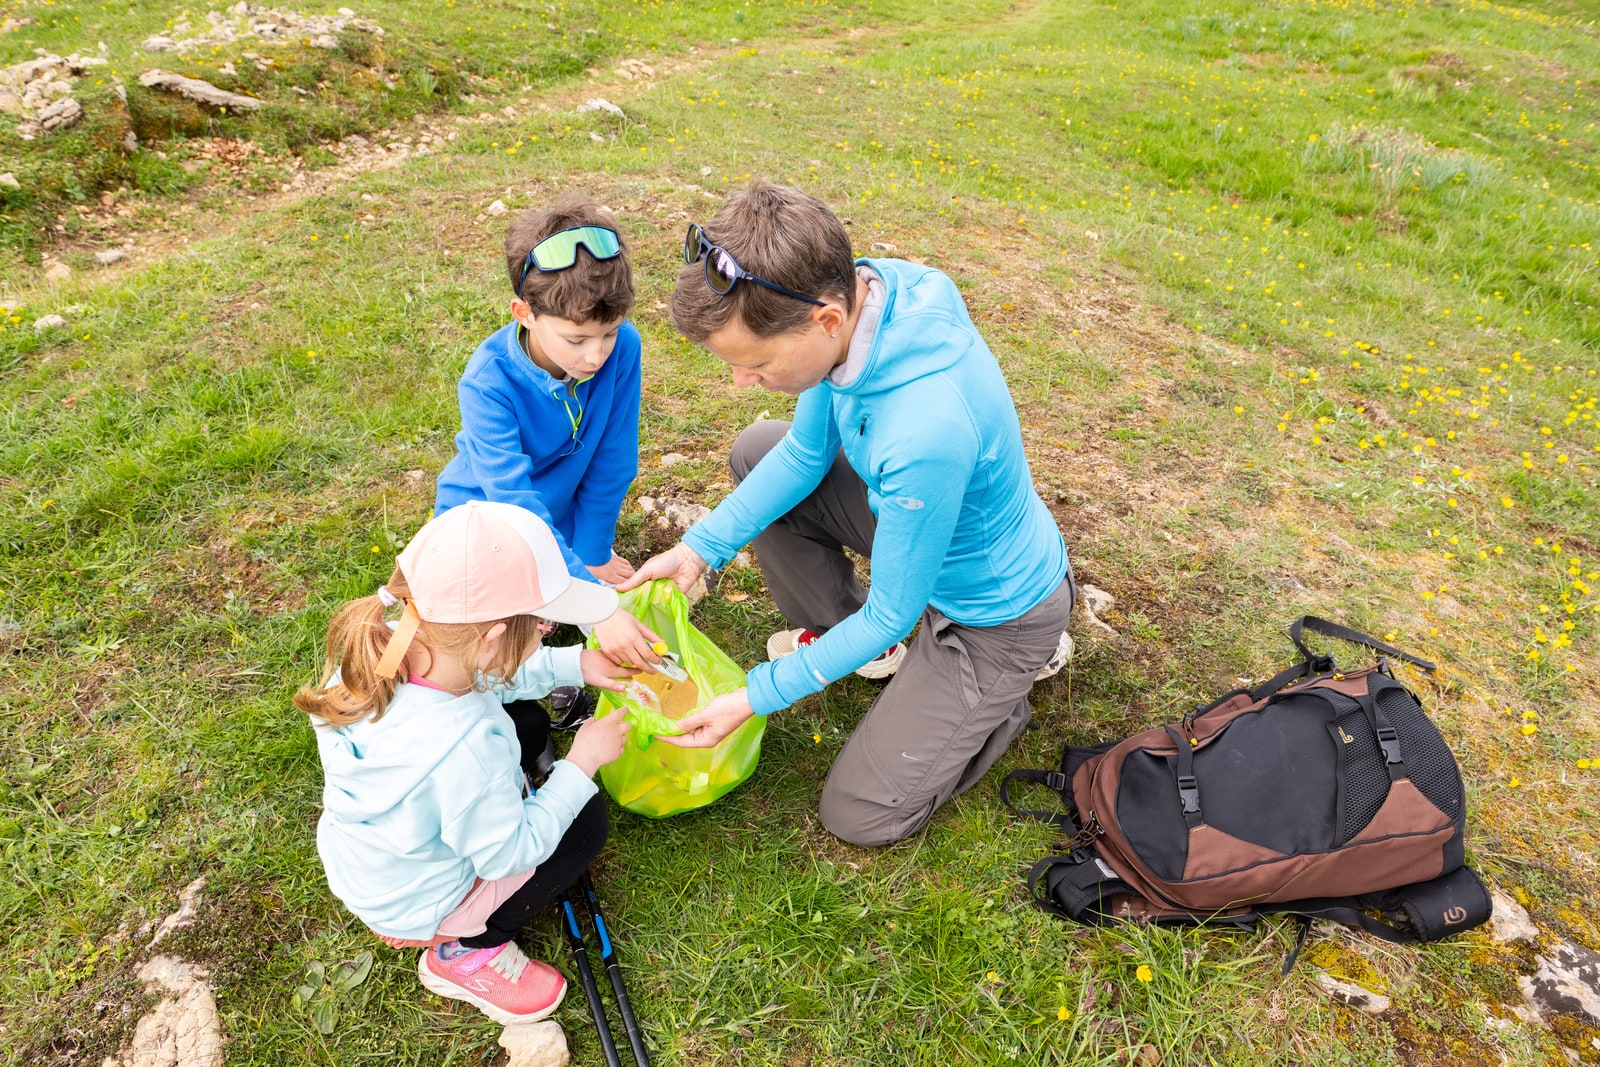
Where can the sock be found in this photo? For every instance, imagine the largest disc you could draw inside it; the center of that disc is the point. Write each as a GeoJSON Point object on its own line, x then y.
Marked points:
{"type": "Point", "coordinates": [452, 950]}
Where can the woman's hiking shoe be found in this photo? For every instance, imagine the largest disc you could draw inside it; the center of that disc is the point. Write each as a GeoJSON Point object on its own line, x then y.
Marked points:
{"type": "Point", "coordinates": [787, 642]}
{"type": "Point", "coordinates": [1063, 656]}
{"type": "Point", "coordinates": [501, 982]}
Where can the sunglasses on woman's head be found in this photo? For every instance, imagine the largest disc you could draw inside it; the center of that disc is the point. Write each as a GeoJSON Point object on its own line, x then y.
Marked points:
{"type": "Point", "coordinates": [560, 250]}
{"type": "Point", "coordinates": [723, 271]}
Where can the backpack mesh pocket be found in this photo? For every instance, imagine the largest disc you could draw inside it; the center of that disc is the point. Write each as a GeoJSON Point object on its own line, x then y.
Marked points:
{"type": "Point", "coordinates": [1429, 764]}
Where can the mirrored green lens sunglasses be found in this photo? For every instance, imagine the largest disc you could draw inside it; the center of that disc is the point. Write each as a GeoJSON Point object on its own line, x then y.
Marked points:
{"type": "Point", "coordinates": [560, 250]}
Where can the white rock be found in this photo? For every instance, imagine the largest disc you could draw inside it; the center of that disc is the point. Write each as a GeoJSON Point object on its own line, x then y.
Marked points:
{"type": "Point", "coordinates": [497, 208]}
{"type": "Point", "coordinates": [683, 513]}
{"type": "Point", "coordinates": [647, 504]}
{"type": "Point", "coordinates": [672, 459]}
{"type": "Point", "coordinates": [1566, 982]}
{"type": "Point", "coordinates": [883, 246]}
{"type": "Point", "coordinates": [181, 1031]}
{"type": "Point", "coordinates": [158, 43]}
{"type": "Point", "coordinates": [111, 255]}
{"type": "Point", "coordinates": [1096, 599]}
{"type": "Point", "coordinates": [9, 181]}
{"type": "Point", "coordinates": [200, 91]}
{"type": "Point", "coordinates": [57, 272]}
{"type": "Point", "coordinates": [600, 103]}
{"type": "Point", "coordinates": [1509, 920]}
{"type": "Point", "coordinates": [541, 1044]}
{"type": "Point", "coordinates": [61, 114]}
{"type": "Point", "coordinates": [48, 322]}
{"type": "Point", "coordinates": [1352, 995]}
{"type": "Point", "coordinates": [188, 910]}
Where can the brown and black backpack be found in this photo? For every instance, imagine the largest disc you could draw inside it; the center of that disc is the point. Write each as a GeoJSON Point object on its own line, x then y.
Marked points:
{"type": "Point", "coordinates": [1320, 793]}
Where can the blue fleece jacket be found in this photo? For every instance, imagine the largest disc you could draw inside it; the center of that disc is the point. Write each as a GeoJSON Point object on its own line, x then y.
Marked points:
{"type": "Point", "coordinates": [518, 444]}
{"type": "Point", "coordinates": [427, 798]}
{"type": "Point", "coordinates": [929, 425]}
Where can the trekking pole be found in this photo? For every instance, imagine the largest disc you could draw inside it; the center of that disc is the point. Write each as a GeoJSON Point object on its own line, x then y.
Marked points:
{"type": "Point", "coordinates": [608, 956]}
{"type": "Point", "coordinates": [580, 959]}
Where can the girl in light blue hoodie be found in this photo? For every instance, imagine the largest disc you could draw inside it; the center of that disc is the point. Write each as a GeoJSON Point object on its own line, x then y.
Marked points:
{"type": "Point", "coordinates": [430, 832]}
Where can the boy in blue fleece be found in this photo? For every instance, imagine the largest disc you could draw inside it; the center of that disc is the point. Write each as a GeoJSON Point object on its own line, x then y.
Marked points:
{"type": "Point", "coordinates": [905, 447]}
{"type": "Point", "coordinates": [550, 401]}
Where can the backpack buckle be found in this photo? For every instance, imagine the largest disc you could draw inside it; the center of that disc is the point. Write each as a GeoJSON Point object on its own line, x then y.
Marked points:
{"type": "Point", "coordinates": [1390, 741]}
{"type": "Point", "coordinates": [1057, 781]}
{"type": "Point", "coordinates": [1189, 793]}
{"type": "Point", "coordinates": [1322, 664]}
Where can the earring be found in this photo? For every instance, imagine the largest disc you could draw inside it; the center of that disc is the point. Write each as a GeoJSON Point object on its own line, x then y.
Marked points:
{"type": "Point", "coordinates": [835, 336]}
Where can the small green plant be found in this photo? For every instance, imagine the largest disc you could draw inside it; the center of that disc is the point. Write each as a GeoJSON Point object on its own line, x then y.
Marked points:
{"type": "Point", "coordinates": [322, 990]}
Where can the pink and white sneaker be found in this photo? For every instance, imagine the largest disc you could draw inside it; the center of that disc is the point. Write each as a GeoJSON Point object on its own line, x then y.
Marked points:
{"type": "Point", "coordinates": [501, 982]}
{"type": "Point", "coordinates": [787, 642]}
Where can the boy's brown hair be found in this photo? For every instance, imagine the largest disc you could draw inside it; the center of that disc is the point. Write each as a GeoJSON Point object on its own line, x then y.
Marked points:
{"type": "Point", "coordinates": [591, 290]}
{"type": "Point", "coordinates": [778, 233]}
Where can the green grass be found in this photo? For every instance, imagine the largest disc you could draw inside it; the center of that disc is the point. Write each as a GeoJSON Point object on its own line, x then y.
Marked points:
{"type": "Point", "coordinates": [220, 447]}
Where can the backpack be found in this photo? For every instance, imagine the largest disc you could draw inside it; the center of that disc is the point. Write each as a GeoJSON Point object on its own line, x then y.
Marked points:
{"type": "Point", "coordinates": [1319, 793]}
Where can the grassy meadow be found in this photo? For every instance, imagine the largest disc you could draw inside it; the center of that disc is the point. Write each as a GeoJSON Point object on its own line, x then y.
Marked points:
{"type": "Point", "coordinates": [1297, 303]}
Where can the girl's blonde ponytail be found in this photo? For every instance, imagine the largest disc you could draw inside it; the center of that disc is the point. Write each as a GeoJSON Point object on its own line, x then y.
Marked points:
{"type": "Point", "coordinates": [357, 636]}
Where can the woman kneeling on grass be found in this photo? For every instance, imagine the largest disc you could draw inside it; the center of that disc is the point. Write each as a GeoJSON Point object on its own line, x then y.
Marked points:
{"type": "Point", "coordinates": [431, 832]}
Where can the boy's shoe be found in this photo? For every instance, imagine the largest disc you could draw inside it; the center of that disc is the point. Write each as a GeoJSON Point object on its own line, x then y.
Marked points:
{"type": "Point", "coordinates": [787, 642]}
{"type": "Point", "coordinates": [1062, 656]}
{"type": "Point", "coordinates": [570, 707]}
{"type": "Point", "coordinates": [501, 982]}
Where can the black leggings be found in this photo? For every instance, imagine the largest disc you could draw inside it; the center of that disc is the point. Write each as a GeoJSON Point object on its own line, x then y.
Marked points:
{"type": "Point", "coordinates": [579, 845]}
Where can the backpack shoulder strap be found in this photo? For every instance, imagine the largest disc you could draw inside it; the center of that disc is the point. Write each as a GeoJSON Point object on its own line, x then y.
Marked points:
{"type": "Point", "coordinates": [1344, 633]}
{"type": "Point", "coordinates": [1052, 779]}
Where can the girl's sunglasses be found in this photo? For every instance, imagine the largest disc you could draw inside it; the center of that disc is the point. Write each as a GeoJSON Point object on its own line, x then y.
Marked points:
{"type": "Point", "coordinates": [723, 271]}
{"type": "Point", "coordinates": [560, 250]}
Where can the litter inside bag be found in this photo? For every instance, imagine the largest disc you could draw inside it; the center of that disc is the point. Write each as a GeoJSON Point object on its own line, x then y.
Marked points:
{"type": "Point", "coordinates": [654, 778]}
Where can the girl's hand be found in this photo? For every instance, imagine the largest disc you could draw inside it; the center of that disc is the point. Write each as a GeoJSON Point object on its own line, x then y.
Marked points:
{"type": "Point", "coordinates": [721, 717]}
{"type": "Point", "coordinates": [600, 671]}
{"type": "Point", "coordinates": [598, 742]}
{"type": "Point", "coordinates": [615, 571]}
{"type": "Point", "coordinates": [626, 640]}
{"type": "Point", "coordinates": [680, 563]}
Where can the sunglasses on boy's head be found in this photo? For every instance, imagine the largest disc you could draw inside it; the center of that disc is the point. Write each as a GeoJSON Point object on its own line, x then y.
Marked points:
{"type": "Point", "coordinates": [723, 271]}
{"type": "Point", "coordinates": [560, 250]}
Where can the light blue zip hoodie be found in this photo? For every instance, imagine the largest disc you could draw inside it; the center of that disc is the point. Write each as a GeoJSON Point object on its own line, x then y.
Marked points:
{"type": "Point", "coordinates": [929, 425]}
{"type": "Point", "coordinates": [429, 797]}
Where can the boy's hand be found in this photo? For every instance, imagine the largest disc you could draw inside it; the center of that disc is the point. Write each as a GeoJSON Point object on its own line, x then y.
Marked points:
{"type": "Point", "coordinates": [600, 671]}
{"type": "Point", "coordinates": [627, 640]}
{"type": "Point", "coordinates": [680, 563]}
{"type": "Point", "coordinates": [615, 571]}
{"type": "Point", "coordinates": [721, 717]}
{"type": "Point", "coordinates": [598, 742]}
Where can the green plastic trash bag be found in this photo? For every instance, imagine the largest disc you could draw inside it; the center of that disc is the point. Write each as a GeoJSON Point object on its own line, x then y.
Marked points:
{"type": "Point", "coordinates": [652, 777]}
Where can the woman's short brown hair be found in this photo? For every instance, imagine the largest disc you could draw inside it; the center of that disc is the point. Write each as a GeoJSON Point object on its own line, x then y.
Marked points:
{"type": "Point", "coordinates": [778, 233]}
{"type": "Point", "coordinates": [591, 290]}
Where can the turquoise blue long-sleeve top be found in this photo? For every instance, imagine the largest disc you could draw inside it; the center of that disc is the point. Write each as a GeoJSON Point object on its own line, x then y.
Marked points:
{"type": "Point", "coordinates": [418, 804]}
{"type": "Point", "coordinates": [567, 456]}
{"type": "Point", "coordinates": [929, 426]}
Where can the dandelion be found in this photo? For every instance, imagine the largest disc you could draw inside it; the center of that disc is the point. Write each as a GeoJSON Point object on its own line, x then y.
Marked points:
{"type": "Point", "coordinates": [374, 549]}
{"type": "Point", "coordinates": [1063, 1014]}
{"type": "Point", "coordinates": [1144, 974]}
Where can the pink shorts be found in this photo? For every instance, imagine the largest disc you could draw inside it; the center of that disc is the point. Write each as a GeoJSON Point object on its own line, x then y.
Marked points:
{"type": "Point", "coordinates": [471, 916]}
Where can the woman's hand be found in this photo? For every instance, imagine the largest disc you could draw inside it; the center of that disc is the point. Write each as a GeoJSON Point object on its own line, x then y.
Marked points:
{"type": "Point", "coordinates": [626, 640]}
{"type": "Point", "coordinates": [598, 742]}
{"type": "Point", "coordinates": [616, 570]}
{"type": "Point", "coordinates": [680, 563]}
{"type": "Point", "coordinates": [602, 672]}
{"type": "Point", "coordinates": [717, 720]}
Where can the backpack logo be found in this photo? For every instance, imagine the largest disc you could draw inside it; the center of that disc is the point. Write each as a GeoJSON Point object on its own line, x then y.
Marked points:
{"type": "Point", "coordinates": [1455, 915]}
{"type": "Point", "coordinates": [1346, 738]}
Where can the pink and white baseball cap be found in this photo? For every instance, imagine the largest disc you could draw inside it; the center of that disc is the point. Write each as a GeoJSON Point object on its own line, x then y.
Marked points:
{"type": "Point", "coordinates": [484, 561]}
